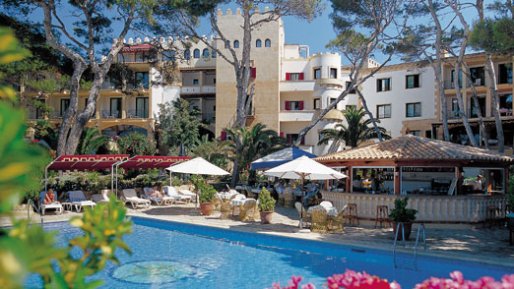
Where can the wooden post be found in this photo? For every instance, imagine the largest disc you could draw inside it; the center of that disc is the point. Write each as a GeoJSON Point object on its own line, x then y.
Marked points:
{"type": "Point", "coordinates": [458, 187]}
{"type": "Point", "coordinates": [397, 180]}
{"type": "Point", "coordinates": [349, 179]}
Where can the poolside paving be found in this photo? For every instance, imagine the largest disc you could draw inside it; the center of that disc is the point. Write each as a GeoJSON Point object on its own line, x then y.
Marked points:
{"type": "Point", "coordinates": [487, 245]}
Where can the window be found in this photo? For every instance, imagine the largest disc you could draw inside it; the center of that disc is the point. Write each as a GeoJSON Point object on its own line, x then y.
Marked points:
{"type": "Point", "coordinates": [414, 132]}
{"type": "Point", "coordinates": [294, 76]}
{"type": "Point", "coordinates": [187, 54]}
{"type": "Point", "coordinates": [214, 80]}
{"type": "Point", "coordinates": [294, 105]}
{"type": "Point", "coordinates": [141, 57]}
{"type": "Point", "coordinates": [477, 76]}
{"type": "Point", "coordinates": [413, 109]}
{"type": "Point", "coordinates": [317, 103]}
{"type": "Point", "coordinates": [506, 104]}
{"type": "Point", "coordinates": [412, 81]}
{"type": "Point", "coordinates": [168, 55]}
{"type": "Point", "coordinates": [121, 58]}
{"type": "Point", "coordinates": [65, 103]}
{"type": "Point", "coordinates": [505, 73]}
{"type": "Point", "coordinates": [236, 43]}
{"type": "Point", "coordinates": [205, 53]}
{"type": "Point", "coordinates": [455, 108]}
{"type": "Point", "coordinates": [213, 54]}
{"type": "Point", "coordinates": [267, 43]}
{"type": "Point", "coordinates": [428, 134]}
{"type": "Point", "coordinates": [142, 80]}
{"type": "Point", "coordinates": [142, 107]}
{"type": "Point", "coordinates": [195, 81]}
{"type": "Point", "coordinates": [317, 73]}
{"type": "Point", "coordinates": [383, 84]}
{"type": "Point", "coordinates": [227, 43]}
{"type": "Point", "coordinates": [481, 106]}
{"type": "Point", "coordinates": [384, 111]}
{"type": "Point", "coordinates": [453, 78]}
{"type": "Point", "coordinates": [291, 138]}
{"type": "Point", "coordinates": [332, 100]}
{"type": "Point", "coordinates": [258, 43]}
{"type": "Point", "coordinates": [333, 73]}
{"type": "Point", "coordinates": [115, 108]}
{"type": "Point", "coordinates": [196, 53]}
{"type": "Point", "coordinates": [348, 84]}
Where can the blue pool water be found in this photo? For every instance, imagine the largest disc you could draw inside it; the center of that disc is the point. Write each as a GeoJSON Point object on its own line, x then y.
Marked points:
{"type": "Point", "coordinates": [173, 255]}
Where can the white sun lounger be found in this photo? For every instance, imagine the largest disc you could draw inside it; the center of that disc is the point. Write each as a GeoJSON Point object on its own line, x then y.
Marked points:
{"type": "Point", "coordinates": [131, 197]}
{"type": "Point", "coordinates": [55, 205]}
{"type": "Point", "coordinates": [157, 200]}
{"type": "Point", "coordinates": [78, 200]}
{"type": "Point", "coordinates": [173, 193]}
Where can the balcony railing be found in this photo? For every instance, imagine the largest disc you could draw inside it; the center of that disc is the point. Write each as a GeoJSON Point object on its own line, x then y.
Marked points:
{"type": "Point", "coordinates": [137, 113]}
{"type": "Point", "coordinates": [110, 114]}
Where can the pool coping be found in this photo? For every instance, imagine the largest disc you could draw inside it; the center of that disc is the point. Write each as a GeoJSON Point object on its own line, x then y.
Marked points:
{"type": "Point", "coordinates": [491, 260]}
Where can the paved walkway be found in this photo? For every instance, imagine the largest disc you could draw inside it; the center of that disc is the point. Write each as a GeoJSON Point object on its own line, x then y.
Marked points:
{"type": "Point", "coordinates": [489, 245]}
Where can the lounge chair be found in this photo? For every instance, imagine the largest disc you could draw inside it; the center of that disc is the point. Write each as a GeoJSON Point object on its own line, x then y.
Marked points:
{"type": "Point", "coordinates": [130, 196]}
{"type": "Point", "coordinates": [103, 197]}
{"type": "Point", "coordinates": [78, 200]}
{"type": "Point", "coordinates": [172, 192]}
{"type": "Point", "coordinates": [186, 190]}
{"type": "Point", "coordinates": [157, 197]}
{"type": "Point", "coordinates": [44, 206]}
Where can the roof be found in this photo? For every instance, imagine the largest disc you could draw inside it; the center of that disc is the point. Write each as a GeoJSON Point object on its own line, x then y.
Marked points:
{"type": "Point", "coordinates": [136, 47]}
{"type": "Point", "coordinates": [334, 114]}
{"type": "Point", "coordinates": [85, 162]}
{"type": "Point", "coordinates": [151, 162]}
{"type": "Point", "coordinates": [413, 148]}
{"type": "Point", "coordinates": [279, 157]}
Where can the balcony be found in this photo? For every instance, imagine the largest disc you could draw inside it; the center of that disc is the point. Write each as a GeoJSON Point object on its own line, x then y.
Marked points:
{"type": "Point", "coordinates": [138, 113]}
{"type": "Point", "coordinates": [208, 89]}
{"type": "Point", "coordinates": [330, 82]}
{"type": "Point", "coordinates": [297, 85]}
{"type": "Point", "coordinates": [190, 90]}
{"type": "Point", "coordinates": [107, 114]}
{"type": "Point", "coordinates": [296, 115]}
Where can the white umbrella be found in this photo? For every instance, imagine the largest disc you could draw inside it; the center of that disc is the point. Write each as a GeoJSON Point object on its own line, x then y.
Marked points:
{"type": "Point", "coordinates": [304, 168]}
{"type": "Point", "coordinates": [197, 166]}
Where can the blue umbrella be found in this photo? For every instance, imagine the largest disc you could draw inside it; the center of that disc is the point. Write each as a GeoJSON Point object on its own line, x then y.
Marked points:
{"type": "Point", "coordinates": [279, 157]}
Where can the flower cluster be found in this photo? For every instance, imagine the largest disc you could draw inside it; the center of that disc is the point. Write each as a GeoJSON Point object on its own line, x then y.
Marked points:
{"type": "Point", "coordinates": [357, 280]}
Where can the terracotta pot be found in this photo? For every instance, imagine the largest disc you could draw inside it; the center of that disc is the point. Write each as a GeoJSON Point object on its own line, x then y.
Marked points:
{"type": "Point", "coordinates": [206, 208]}
{"type": "Point", "coordinates": [266, 217]}
{"type": "Point", "coordinates": [408, 229]}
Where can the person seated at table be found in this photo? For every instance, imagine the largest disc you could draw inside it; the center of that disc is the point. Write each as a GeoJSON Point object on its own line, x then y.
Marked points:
{"type": "Point", "coordinates": [50, 197]}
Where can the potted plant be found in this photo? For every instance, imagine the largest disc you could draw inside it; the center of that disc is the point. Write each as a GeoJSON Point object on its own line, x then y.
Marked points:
{"type": "Point", "coordinates": [400, 214]}
{"type": "Point", "coordinates": [207, 193]}
{"type": "Point", "coordinates": [266, 206]}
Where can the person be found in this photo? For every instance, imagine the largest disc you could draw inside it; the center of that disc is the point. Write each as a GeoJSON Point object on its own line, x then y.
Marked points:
{"type": "Point", "coordinates": [479, 183]}
{"type": "Point", "coordinates": [50, 197]}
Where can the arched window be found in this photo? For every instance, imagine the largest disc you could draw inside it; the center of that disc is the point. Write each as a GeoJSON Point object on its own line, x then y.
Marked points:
{"type": "Point", "coordinates": [187, 54]}
{"type": "Point", "coordinates": [267, 43]}
{"type": "Point", "coordinates": [227, 44]}
{"type": "Point", "coordinates": [236, 43]}
{"type": "Point", "coordinates": [213, 54]}
{"type": "Point", "coordinates": [258, 43]}
{"type": "Point", "coordinates": [196, 53]}
{"type": "Point", "coordinates": [205, 53]}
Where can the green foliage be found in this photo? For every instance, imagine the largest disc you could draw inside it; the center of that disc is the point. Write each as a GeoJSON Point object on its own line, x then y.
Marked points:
{"type": "Point", "coordinates": [494, 35]}
{"type": "Point", "coordinates": [215, 151]}
{"type": "Point", "coordinates": [10, 51]}
{"type": "Point", "coordinates": [179, 124]}
{"type": "Point", "coordinates": [136, 144]}
{"type": "Point", "coordinates": [400, 213]}
{"type": "Point", "coordinates": [206, 190]}
{"type": "Point", "coordinates": [92, 139]}
{"type": "Point", "coordinates": [266, 202]}
{"type": "Point", "coordinates": [358, 129]}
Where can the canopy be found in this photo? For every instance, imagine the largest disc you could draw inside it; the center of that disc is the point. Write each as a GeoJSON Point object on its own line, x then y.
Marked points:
{"type": "Point", "coordinates": [197, 166]}
{"type": "Point", "coordinates": [279, 157]}
{"type": "Point", "coordinates": [85, 162]}
{"type": "Point", "coordinates": [304, 168]}
{"type": "Point", "coordinates": [151, 162]}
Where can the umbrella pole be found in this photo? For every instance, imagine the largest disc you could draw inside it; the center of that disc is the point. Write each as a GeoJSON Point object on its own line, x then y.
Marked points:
{"type": "Point", "coordinates": [303, 198]}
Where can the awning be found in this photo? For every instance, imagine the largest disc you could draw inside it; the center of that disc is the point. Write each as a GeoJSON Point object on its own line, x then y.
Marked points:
{"type": "Point", "coordinates": [151, 162]}
{"type": "Point", "coordinates": [85, 162]}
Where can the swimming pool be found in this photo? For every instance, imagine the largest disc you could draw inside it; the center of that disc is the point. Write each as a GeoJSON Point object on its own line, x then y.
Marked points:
{"type": "Point", "coordinates": [174, 255]}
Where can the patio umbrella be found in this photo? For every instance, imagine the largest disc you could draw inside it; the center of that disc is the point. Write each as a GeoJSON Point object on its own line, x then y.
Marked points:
{"type": "Point", "coordinates": [304, 168]}
{"type": "Point", "coordinates": [197, 166]}
{"type": "Point", "coordinates": [279, 157]}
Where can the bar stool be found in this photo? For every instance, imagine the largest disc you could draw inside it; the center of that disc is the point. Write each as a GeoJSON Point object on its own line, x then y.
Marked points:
{"type": "Point", "coordinates": [382, 216]}
{"type": "Point", "coordinates": [350, 216]}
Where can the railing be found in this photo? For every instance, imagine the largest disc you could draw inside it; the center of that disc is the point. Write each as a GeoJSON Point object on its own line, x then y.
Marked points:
{"type": "Point", "coordinates": [137, 113]}
{"type": "Point", "coordinates": [400, 227]}
{"type": "Point", "coordinates": [110, 114]}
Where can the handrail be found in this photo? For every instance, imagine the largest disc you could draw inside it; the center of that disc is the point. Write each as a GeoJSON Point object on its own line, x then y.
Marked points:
{"type": "Point", "coordinates": [421, 230]}
{"type": "Point", "coordinates": [420, 233]}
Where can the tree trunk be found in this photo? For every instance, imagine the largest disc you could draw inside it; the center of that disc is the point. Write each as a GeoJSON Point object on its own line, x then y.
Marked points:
{"type": "Point", "coordinates": [70, 116]}
{"type": "Point", "coordinates": [491, 84]}
{"type": "Point", "coordinates": [370, 115]}
{"type": "Point", "coordinates": [235, 173]}
{"type": "Point", "coordinates": [462, 108]}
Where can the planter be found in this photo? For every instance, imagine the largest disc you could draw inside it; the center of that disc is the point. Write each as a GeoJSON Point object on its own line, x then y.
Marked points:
{"type": "Point", "coordinates": [206, 208]}
{"type": "Point", "coordinates": [408, 229]}
{"type": "Point", "coordinates": [266, 217]}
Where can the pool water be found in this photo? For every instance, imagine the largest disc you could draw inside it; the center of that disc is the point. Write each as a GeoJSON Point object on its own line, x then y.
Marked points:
{"type": "Point", "coordinates": [173, 255]}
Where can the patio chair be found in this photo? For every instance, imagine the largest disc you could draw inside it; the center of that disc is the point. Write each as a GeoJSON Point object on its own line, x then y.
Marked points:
{"type": "Point", "coordinates": [248, 210]}
{"type": "Point", "coordinates": [319, 219]}
{"type": "Point", "coordinates": [157, 197]}
{"type": "Point", "coordinates": [236, 202]}
{"type": "Point", "coordinates": [130, 196]}
{"type": "Point", "coordinates": [173, 193]}
{"type": "Point", "coordinates": [78, 200]}
{"type": "Point", "coordinates": [53, 205]}
{"type": "Point", "coordinates": [336, 223]}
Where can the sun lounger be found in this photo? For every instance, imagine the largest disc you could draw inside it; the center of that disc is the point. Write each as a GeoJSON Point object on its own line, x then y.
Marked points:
{"type": "Point", "coordinates": [186, 190]}
{"type": "Point", "coordinates": [173, 193]}
{"type": "Point", "coordinates": [44, 206]}
{"type": "Point", "coordinates": [103, 197]}
{"type": "Point", "coordinates": [131, 197]}
{"type": "Point", "coordinates": [78, 200]}
{"type": "Point", "coordinates": [157, 197]}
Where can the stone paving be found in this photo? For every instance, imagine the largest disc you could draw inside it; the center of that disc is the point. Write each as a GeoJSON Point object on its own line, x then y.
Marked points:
{"type": "Point", "coordinates": [487, 245]}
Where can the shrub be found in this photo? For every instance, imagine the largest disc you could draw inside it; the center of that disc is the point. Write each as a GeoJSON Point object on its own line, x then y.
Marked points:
{"type": "Point", "coordinates": [266, 202]}
{"type": "Point", "coordinates": [400, 213]}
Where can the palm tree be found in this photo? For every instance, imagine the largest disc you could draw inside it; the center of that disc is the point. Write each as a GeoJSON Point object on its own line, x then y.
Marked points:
{"type": "Point", "coordinates": [215, 151]}
{"type": "Point", "coordinates": [357, 130]}
{"type": "Point", "coordinates": [91, 141]}
{"type": "Point", "coordinates": [248, 144]}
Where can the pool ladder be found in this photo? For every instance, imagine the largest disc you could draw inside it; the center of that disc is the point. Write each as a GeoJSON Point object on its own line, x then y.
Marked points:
{"type": "Point", "coordinates": [419, 234]}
